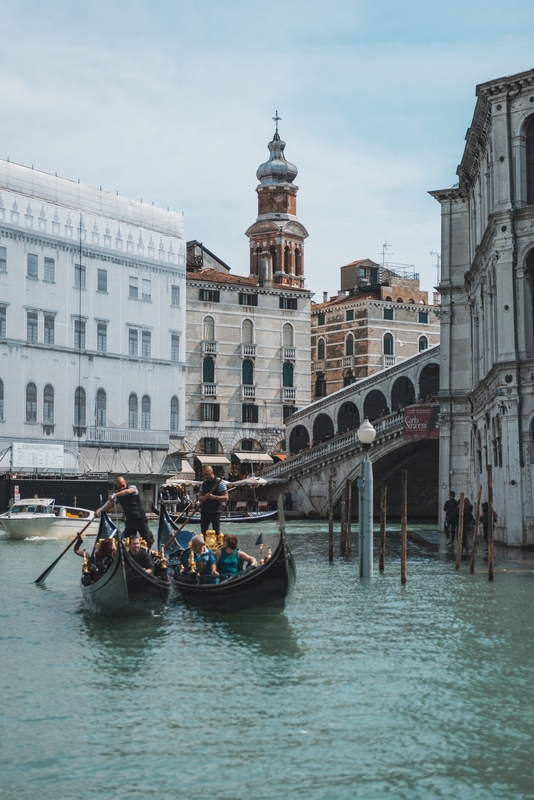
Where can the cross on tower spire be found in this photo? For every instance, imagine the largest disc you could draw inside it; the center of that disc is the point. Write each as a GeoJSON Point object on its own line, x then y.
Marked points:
{"type": "Point", "coordinates": [276, 120]}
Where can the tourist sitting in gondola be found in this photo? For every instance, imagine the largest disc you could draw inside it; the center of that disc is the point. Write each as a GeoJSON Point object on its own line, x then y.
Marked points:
{"type": "Point", "coordinates": [230, 560]}
{"type": "Point", "coordinates": [140, 554]}
{"type": "Point", "coordinates": [204, 561]}
{"type": "Point", "coordinates": [101, 561]}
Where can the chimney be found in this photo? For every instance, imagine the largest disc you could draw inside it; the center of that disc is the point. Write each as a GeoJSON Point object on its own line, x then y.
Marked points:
{"type": "Point", "coordinates": [325, 297]}
{"type": "Point", "coordinates": [265, 270]}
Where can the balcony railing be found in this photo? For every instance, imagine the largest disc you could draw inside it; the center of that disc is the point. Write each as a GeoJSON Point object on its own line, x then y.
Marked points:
{"type": "Point", "coordinates": [248, 392]}
{"type": "Point", "coordinates": [127, 437]}
{"type": "Point", "coordinates": [209, 389]}
{"type": "Point", "coordinates": [209, 348]}
{"type": "Point", "coordinates": [319, 366]}
{"type": "Point", "coordinates": [248, 350]}
{"type": "Point", "coordinates": [289, 353]}
{"type": "Point", "coordinates": [389, 361]}
{"type": "Point", "coordinates": [289, 394]}
{"type": "Point", "coordinates": [348, 361]}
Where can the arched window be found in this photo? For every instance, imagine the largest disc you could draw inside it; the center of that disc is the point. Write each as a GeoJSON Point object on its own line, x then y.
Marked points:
{"type": "Point", "coordinates": [287, 375]}
{"type": "Point", "coordinates": [175, 413]}
{"type": "Point", "coordinates": [349, 345]}
{"type": "Point", "coordinates": [48, 405]}
{"type": "Point", "coordinates": [388, 344]}
{"type": "Point", "coordinates": [287, 260]}
{"type": "Point", "coordinates": [423, 343]}
{"type": "Point", "coordinates": [101, 406]}
{"type": "Point", "coordinates": [133, 411]}
{"type": "Point", "coordinates": [287, 335]}
{"type": "Point", "coordinates": [400, 300]}
{"type": "Point", "coordinates": [247, 371]}
{"type": "Point", "coordinates": [247, 331]}
{"type": "Point", "coordinates": [79, 407]}
{"type": "Point", "coordinates": [145, 413]}
{"type": "Point", "coordinates": [208, 370]}
{"type": "Point", "coordinates": [530, 162]}
{"type": "Point", "coordinates": [320, 350]}
{"type": "Point", "coordinates": [208, 329]}
{"type": "Point", "coordinates": [272, 251]}
{"type": "Point", "coordinates": [31, 402]}
{"type": "Point", "coordinates": [298, 262]}
{"type": "Point", "coordinates": [1, 400]}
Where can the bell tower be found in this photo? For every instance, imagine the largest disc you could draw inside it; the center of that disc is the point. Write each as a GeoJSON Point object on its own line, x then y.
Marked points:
{"type": "Point", "coordinates": [277, 237]}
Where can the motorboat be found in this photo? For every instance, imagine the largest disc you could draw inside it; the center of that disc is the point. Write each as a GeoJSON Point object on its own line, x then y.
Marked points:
{"type": "Point", "coordinates": [42, 518]}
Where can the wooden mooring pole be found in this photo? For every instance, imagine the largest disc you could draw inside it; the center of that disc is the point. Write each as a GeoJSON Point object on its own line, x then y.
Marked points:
{"type": "Point", "coordinates": [475, 532]}
{"type": "Point", "coordinates": [404, 523]}
{"type": "Point", "coordinates": [330, 522]}
{"type": "Point", "coordinates": [460, 533]}
{"type": "Point", "coordinates": [490, 522]}
{"type": "Point", "coordinates": [349, 517]}
{"type": "Point", "coordinates": [343, 536]}
{"type": "Point", "coordinates": [383, 515]}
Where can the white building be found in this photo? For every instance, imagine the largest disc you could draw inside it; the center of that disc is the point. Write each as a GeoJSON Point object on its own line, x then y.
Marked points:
{"type": "Point", "coordinates": [92, 329]}
{"type": "Point", "coordinates": [487, 327]}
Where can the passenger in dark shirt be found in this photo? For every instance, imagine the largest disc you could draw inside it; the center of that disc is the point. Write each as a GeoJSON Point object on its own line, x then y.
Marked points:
{"type": "Point", "coordinates": [141, 555]}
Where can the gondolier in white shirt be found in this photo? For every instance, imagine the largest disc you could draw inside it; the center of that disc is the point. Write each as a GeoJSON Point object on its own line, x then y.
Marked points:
{"type": "Point", "coordinates": [213, 491]}
{"type": "Point", "coordinates": [134, 513]}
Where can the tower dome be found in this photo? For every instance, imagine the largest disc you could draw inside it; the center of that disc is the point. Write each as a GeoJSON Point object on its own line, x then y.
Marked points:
{"type": "Point", "coordinates": [276, 169]}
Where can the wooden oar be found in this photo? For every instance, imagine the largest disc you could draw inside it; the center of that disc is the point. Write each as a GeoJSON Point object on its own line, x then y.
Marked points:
{"type": "Point", "coordinates": [173, 537]}
{"type": "Point", "coordinates": [47, 571]}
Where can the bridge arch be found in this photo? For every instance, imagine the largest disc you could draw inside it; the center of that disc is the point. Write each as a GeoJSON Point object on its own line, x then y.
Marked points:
{"type": "Point", "coordinates": [299, 438]}
{"type": "Point", "coordinates": [348, 416]}
{"type": "Point", "coordinates": [402, 392]}
{"type": "Point", "coordinates": [323, 428]}
{"type": "Point", "coordinates": [374, 404]}
{"type": "Point", "coordinates": [429, 380]}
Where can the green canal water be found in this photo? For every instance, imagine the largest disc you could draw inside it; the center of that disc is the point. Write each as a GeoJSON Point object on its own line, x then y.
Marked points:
{"type": "Point", "coordinates": [360, 689]}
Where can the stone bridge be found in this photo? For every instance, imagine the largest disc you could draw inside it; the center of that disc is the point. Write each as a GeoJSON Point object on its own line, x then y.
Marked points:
{"type": "Point", "coordinates": [322, 441]}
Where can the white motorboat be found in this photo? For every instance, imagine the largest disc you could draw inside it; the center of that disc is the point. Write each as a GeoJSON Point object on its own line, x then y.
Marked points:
{"type": "Point", "coordinates": [40, 517]}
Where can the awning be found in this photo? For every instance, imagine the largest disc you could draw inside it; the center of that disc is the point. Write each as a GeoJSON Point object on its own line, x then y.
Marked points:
{"type": "Point", "coordinates": [186, 468]}
{"type": "Point", "coordinates": [250, 457]}
{"type": "Point", "coordinates": [211, 460]}
{"type": "Point", "coordinates": [280, 456]}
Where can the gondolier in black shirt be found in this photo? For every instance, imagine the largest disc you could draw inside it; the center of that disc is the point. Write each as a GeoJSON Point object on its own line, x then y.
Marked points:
{"type": "Point", "coordinates": [134, 513]}
{"type": "Point", "coordinates": [211, 494]}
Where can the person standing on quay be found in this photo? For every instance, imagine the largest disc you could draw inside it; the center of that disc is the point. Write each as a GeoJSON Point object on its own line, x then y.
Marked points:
{"type": "Point", "coordinates": [134, 513]}
{"type": "Point", "coordinates": [451, 518]}
{"type": "Point", "coordinates": [213, 492]}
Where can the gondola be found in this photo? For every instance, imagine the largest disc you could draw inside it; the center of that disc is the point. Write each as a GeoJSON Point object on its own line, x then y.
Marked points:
{"type": "Point", "coordinates": [251, 516]}
{"type": "Point", "coordinates": [125, 588]}
{"type": "Point", "coordinates": [266, 586]}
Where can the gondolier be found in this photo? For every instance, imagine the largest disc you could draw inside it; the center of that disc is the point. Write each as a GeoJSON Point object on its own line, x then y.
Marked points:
{"type": "Point", "coordinates": [211, 494]}
{"type": "Point", "coordinates": [134, 513]}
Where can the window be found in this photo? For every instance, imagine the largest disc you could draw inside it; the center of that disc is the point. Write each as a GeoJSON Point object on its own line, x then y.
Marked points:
{"type": "Point", "coordinates": [210, 445]}
{"type": "Point", "coordinates": [272, 251]}
{"type": "Point", "coordinates": [102, 280]}
{"type": "Point", "coordinates": [146, 286]}
{"type": "Point", "coordinates": [50, 270]}
{"type": "Point", "coordinates": [320, 386]}
{"type": "Point", "coordinates": [175, 414]}
{"type": "Point", "coordinates": [132, 411]}
{"type": "Point", "coordinates": [146, 345]}
{"type": "Point", "coordinates": [31, 402]}
{"type": "Point", "coordinates": [423, 343]}
{"type": "Point", "coordinates": [33, 266]}
{"type": "Point", "coordinates": [348, 379]}
{"type": "Point", "coordinates": [289, 303]}
{"type": "Point", "coordinates": [298, 262]}
{"type": "Point", "coordinates": [79, 407]}
{"type": "Point", "coordinates": [349, 345]}
{"type": "Point", "coordinates": [287, 260]}
{"type": "Point", "coordinates": [287, 375]}
{"type": "Point", "coordinates": [388, 344]}
{"type": "Point", "coordinates": [145, 413]}
{"type": "Point", "coordinates": [175, 347]}
{"type": "Point", "coordinates": [248, 299]}
{"type": "Point", "coordinates": [209, 295]}
{"type": "Point", "coordinates": [320, 350]}
{"type": "Point", "coordinates": [208, 329]}
{"type": "Point", "coordinates": [101, 407]}
{"type": "Point", "coordinates": [48, 405]}
{"type": "Point", "coordinates": [133, 288]}
{"type": "Point", "coordinates": [247, 373]}
{"type": "Point", "coordinates": [79, 334]}
{"type": "Point", "coordinates": [530, 162]}
{"type": "Point", "coordinates": [175, 295]}
{"type": "Point", "coordinates": [320, 319]}
{"type": "Point", "coordinates": [249, 414]}
{"type": "Point", "coordinates": [3, 326]}
{"type": "Point", "coordinates": [1, 400]}
{"type": "Point", "coordinates": [287, 335]}
{"type": "Point", "coordinates": [79, 276]}
{"type": "Point", "coordinates": [247, 332]}
{"type": "Point", "coordinates": [102, 337]}
{"type": "Point", "coordinates": [287, 411]}
{"type": "Point", "coordinates": [31, 327]}
{"type": "Point", "coordinates": [423, 317]}
{"type": "Point", "coordinates": [210, 412]}
{"type": "Point", "coordinates": [349, 314]}
{"type": "Point", "coordinates": [208, 371]}
{"type": "Point", "coordinates": [133, 342]}
{"type": "Point", "coordinates": [389, 313]}
{"type": "Point", "coordinates": [49, 334]}
{"type": "Point", "coordinates": [247, 445]}
{"type": "Point", "coordinates": [3, 259]}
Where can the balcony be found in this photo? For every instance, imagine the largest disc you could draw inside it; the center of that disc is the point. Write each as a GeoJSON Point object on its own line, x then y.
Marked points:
{"type": "Point", "coordinates": [319, 366]}
{"type": "Point", "coordinates": [248, 392]}
{"type": "Point", "coordinates": [127, 437]}
{"type": "Point", "coordinates": [388, 361]}
{"type": "Point", "coordinates": [348, 362]}
{"type": "Point", "coordinates": [289, 353]}
{"type": "Point", "coordinates": [248, 351]}
{"type": "Point", "coordinates": [209, 348]}
{"type": "Point", "coordinates": [209, 390]}
{"type": "Point", "coordinates": [289, 394]}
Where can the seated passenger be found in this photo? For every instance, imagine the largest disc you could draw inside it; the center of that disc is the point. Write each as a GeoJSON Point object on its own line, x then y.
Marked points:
{"type": "Point", "coordinates": [140, 554]}
{"type": "Point", "coordinates": [206, 565]}
{"type": "Point", "coordinates": [100, 562]}
{"type": "Point", "coordinates": [228, 557]}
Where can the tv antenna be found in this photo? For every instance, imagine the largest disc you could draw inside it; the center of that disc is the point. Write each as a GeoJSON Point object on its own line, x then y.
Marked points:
{"type": "Point", "coordinates": [385, 253]}
{"type": "Point", "coordinates": [437, 265]}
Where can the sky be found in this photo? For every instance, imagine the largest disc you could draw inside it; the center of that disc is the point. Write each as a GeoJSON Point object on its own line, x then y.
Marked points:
{"type": "Point", "coordinates": [172, 102]}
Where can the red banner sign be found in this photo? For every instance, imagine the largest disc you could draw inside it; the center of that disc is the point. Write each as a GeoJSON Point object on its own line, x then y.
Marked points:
{"type": "Point", "coordinates": [420, 422]}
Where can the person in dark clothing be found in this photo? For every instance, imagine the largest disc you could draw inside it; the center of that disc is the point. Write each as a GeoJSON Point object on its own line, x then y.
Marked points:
{"type": "Point", "coordinates": [134, 513]}
{"type": "Point", "coordinates": [211, 494]}
{"type": "Point", "coordinates": [467, 527]}
{"type": "Point", "coordinates": [140, 554]}
{"type": "Point", "coordinates": [451, 518]}
{"type": "Point", "coordinates": [484, 519]}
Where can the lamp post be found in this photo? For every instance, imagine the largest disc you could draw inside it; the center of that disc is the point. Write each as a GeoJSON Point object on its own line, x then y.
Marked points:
{"type": "Point", "coordinates": [366, 435]}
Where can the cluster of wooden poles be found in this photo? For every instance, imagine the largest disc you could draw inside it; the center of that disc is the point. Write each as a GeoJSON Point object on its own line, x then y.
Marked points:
{"type": "Point", "coordinates": [345, 544]}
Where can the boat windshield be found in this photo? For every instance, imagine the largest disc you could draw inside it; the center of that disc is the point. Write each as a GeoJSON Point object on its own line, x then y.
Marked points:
{"type": "Point", "coordinates": [31, 509]}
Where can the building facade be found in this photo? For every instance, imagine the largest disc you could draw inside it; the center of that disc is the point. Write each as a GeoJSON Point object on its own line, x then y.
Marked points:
{"type": "Point", "coordinates": [248, 337]}
{"type": "Point", "coordinates": [487, 289]}
{"type": "Point", "coordinates": [92, 329]}
{"type": "Point", "coordinates": [379, 318]}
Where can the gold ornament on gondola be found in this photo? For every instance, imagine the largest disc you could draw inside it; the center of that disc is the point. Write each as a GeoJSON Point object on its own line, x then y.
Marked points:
{"type": "Point", "coordinates": [192, 563]}
{"type": "Point", "coordinates": [210, 538]}
{"type": "Point", "coordinates": [269, 553]}
{"type": "Point", "coordinates": [85, 565]}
